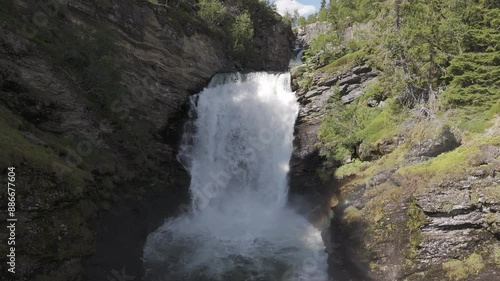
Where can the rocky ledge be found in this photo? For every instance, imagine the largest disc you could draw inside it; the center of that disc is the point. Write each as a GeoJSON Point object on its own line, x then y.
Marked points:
{"type": "Point", "coordinates": [419, 206]}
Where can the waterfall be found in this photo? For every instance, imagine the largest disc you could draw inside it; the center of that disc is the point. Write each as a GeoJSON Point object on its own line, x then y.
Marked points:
{"type": "Point", "coordinates": [237, 148]}
{"type": "Point", "coordinates": [298, 52]}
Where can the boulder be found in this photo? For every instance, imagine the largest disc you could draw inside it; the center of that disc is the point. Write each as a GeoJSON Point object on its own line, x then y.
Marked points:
{"type": "Point", "coordinates": [361, 69]}
{"type": "Point", "coordinates": [350, 79]}
{"type": "Point", "coordinates": [443, 141]}
{"type": "Point", "coordinates": [329, 81]}
{"type": "Point", "coordinates": [352, 96]}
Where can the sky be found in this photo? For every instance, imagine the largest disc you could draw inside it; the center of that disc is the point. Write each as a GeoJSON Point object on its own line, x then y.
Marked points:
{"type": "Point", "coordinates": [305, 7]}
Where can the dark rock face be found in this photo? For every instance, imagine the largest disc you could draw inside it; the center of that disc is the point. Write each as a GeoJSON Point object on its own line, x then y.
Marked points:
{"type": "Point", "coordinates": [351, 87]}
{"type": "Point", "coordinates": [309, 32]}
{"type": "Point", "coordinates": [130, 180]}
{"type": "Point", "coordinates": [273, 42]}
{"type": "Point", "coordinates": [306, 161]}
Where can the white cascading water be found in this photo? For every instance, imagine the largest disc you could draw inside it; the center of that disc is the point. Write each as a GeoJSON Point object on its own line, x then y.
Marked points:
{"type": "Point", "coordinates": [237, 150]}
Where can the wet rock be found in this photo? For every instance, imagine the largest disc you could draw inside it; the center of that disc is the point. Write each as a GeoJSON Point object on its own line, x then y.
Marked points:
{"type": "Point", "coordinates": [301, 94]}
{"type": "Point", "coordinates": [315, 92]}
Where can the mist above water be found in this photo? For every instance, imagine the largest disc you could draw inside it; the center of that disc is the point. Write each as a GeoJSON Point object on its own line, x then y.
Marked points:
{"type": "Point", "coordinates": [237, 147]}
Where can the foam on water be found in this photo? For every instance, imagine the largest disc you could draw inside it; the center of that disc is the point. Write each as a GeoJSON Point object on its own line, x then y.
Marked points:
{"type": "Point", "coordinates": [237, 147]}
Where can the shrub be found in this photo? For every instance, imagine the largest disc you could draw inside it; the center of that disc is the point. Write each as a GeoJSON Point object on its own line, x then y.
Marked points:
{"type": "Point", "coordinates": [242, 34]}
{"type": "Point", "coordinates": [301, 21]}
{"type": "Point", "coordinates": [459, 270]}
{"type": "Point", "coordinates": [352, 214]}
{"type": "Point", "coordinates": [496, 255]}
{"type": "Point", "coordinates": [338, 131]}
{"type": "Point", "coordinates": [212, 11]}
{"type": "Point", "coordinates": [475, 80]}
{"type": "Point", "coordinates": [416, 220]}
{"type": "Point", "coordinates": [350, 169]}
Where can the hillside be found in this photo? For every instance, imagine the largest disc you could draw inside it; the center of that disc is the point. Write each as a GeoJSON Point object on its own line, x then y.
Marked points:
{"type": "Point", "coordinates": [401, 104]}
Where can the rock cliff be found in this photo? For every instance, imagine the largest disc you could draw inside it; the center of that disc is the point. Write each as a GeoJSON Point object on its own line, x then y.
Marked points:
{"type": "Point", "coordinates": [414, 199]}
{"type": "Point", "coordinates": [94, 141]}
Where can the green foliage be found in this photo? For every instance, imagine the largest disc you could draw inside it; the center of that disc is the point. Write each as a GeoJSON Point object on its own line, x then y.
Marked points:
{"type": "Point", "coordinates": [475, 80]}
{"type": "Point", "coordinates": [343, 129]}
{"type": "Point", "coordinates": [323, 4]}
{"type": "Point", "coordinates": [473, 120]}
{"type": "Point", "coordinates": [344, 13]}
{"type": "Point", "coordinates": [233, 22]}
{"type": "Point", "coordinates": [328, 44]}
{"type": "Point", "coordinates": [242, 34]}
{"type": "Point", "coordinates": [382, 124]}
{"type": "Point", "coordinates": [344, 63]}
{"type": "Point", "coordinates": [352, 214]}
{"type": "Point", "coordinates": [212, 12]}
{"type": "Point", "coordinates": [416, 220]}
{"type": "Point", "coordinates": [496, 255]}
{"type": "Point", "coordinates": [312, 18]}
{"type": "Point", "coordinates": [301, 21]}
{"type": "Point", "coordinates": [350, 169]}
{"type": "Point", "coordinates": [460, 270]}
{"type": "Point", "coordinates": [450, 163]}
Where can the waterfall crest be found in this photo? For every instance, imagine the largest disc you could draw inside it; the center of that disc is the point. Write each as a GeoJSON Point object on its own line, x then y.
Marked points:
{"type": "Point", "coordinates": [237, 147]}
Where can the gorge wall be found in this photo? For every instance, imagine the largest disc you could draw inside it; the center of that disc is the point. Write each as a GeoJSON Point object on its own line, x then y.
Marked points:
{"type": "Point", "coordinates": [95, 149]}
{"type": "Point", "coordinates": [414, 196]}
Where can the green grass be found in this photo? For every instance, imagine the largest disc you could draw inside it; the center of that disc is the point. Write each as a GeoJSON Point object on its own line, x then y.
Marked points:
{"type": "Point", "coordinates": [450, 163]}
{"type": "Point", "coordinates": [351, 169]}
{"type": "Point", "coordinates": [496, 255]}
{"type": "Point", "coordinates": [17, 149]}
{"type": "Point", "coordinates": [416, 220]}
{"type": "Point", "coordinates": [473, 120]}
{"type": "Point", "coordinates": [344, 63]}
{"type": "Point", "coordinates": [352, 214]}
{"type": "Point", "coordinates": [383, 125]}
{"type": "Point", "coordinates": [492, 192]}
{"type": "Point", "coordinates": [460, 270]}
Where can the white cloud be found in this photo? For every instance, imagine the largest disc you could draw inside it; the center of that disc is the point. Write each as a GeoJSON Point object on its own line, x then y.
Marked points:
{"type": "Point", "coordinates": [292, 5]}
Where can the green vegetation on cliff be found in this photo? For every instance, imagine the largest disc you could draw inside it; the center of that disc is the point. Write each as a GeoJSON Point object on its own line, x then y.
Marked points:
{"type": "Point", "coordinates": [236, 21]}
{"type": "Point", "coordinates": [436, 58]}
{"type": "Point", "coordinates": [415, 139]}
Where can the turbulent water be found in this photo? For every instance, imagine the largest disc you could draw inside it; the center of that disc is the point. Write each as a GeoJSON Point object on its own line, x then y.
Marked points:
{"type": "Point", "coordinates": [237, 148]}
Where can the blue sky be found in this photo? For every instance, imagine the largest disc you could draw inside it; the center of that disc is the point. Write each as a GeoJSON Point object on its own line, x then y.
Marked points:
{"type": "Point", "coordinates": [316, 3]}
{"type": "Point", "coordinates": [305, 7]}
